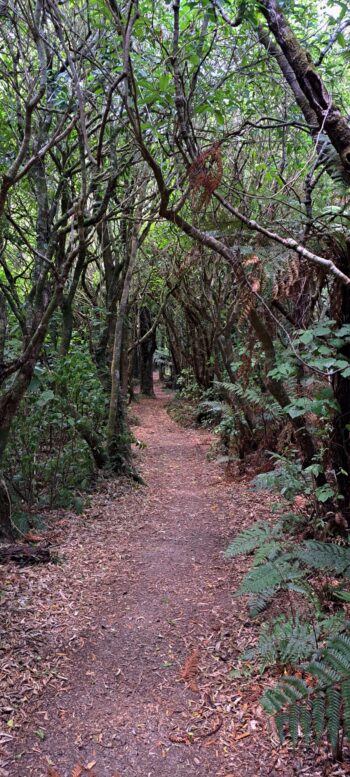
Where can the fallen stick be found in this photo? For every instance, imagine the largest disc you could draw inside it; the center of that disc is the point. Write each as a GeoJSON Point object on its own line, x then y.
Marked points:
{"type": "Point", "coordinates": [25, 554]}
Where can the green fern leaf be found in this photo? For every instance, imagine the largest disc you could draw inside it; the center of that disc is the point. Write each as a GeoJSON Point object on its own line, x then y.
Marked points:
{"type": "Point", "coordinates": [274, 700]}
{"type": "Point", "coordinates": [273, 574]}
{"type": "Point", "coordinates": [318, 716]}
{"type": "Point", "coordinates": [281, 720]}
{"type": "Point", "coordinates": [338, 661]}
{"type": "Point", "coordinates": [325, 556]}
{"type": "Point", "coordinates": [305, 723]}
{"type": "Point", "coordinates": [326, 675]}
{"type": "Point", "coordinates": [260, 602]}
{"type": "Point", "coordinates": [341, 643]}
{"type": "Point", "coordinates": [294, 688]}
{"type": "Point", "coordinates": [320, 709]}
{"type": "Point", "coordinates": [333, 717]}
{"type": "Point", "coordinates": [293, 720]}
{"type": "Point", "coordinates": [345, 692]}
{"type": "Point", "coordinates": [249, 539]}
{"type": "Point", "coordinates": [267, 552]}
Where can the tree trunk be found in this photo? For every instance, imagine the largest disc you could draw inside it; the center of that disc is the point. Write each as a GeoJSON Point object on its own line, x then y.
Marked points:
{"type": "Point", "coordinates": [340, 441]}
{"type": "Point", "coordinates": [118, 433]}
{"type": "Point", "coordinates": [147, 349]}
{"type": "Point", "coordinates": [328, 115]}
{"type": "Point", "coordinates": [7, 531]}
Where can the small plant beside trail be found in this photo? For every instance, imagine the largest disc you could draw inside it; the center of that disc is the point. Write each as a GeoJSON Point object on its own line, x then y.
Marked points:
{"type": "Point", "coordinates": [312, 649]}
{"type": "Point", "coordinates": [48, 463]}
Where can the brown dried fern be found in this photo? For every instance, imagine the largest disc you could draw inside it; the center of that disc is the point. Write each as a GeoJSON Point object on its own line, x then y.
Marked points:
{"type": "Point", "coordinates": [189, 670]}
{"type": "Point", "coordinates": [205, 174]}
{"type": "Point", "coordinates": [77, 771]}
{"type": "Point", "coordinates": [246, 298]}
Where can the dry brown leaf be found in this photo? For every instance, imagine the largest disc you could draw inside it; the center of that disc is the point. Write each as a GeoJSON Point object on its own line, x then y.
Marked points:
{"type": "Point", "coordinates": [190, 670]}
{"type": "Point", "coordinates": [52, 772]}
{"type": "Point", "coordinates": [242, 736]}
{"type": "Point", "coordinates": [31, 536]}
{"type": "Point", "coordinates": [77, 771]}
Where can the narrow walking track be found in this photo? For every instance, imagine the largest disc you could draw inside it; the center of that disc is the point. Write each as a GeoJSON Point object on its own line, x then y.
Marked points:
{"type": "Point", "coordinates": [146, 591]}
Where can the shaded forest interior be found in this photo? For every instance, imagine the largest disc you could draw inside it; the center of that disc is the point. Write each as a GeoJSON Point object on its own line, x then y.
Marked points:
{"type": "Point", "coordinates": [174, 199]}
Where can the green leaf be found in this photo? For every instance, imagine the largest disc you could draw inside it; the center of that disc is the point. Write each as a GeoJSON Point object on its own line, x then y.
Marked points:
{"type": "Point", "coordinates": [342, 40]}
{"type": "Point", "coordinates": [324, 493]}
{"type": "Point", "coordinates": [306, 338]}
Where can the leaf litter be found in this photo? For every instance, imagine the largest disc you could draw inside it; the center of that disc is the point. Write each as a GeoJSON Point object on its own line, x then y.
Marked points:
{"type": "Point", "coordinates": [142, 584]}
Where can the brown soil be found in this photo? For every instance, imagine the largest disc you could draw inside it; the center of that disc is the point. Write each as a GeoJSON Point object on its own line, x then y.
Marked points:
{"type": "Point", "coordinates": [118, 658]}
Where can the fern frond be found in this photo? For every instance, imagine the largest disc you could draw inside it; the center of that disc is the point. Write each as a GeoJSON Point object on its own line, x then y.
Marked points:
{"type": "Point", "coordinates": [338, 661]}
{"type": "Point", "coordinates": [281, 720]}
{"type": "Point", "coordinates": [324, 708]}
{"type": "Point", "coordinates": [249, 539]}
{"type": "Point", "coordinates": [294, 688]}
{"type": "Point", "coordinates": [260, 602]}
{"type": "Point", "coordinates": [293, 720]}
{"type": "Point", "coordinates": [274, 700]}
{"type": "Point", "coordinates": [326, 556]}
{"type": "Point", "coordinates": [267, 552]}
{"type": "Point", "coordinates": [333, 717]}
{"type": "Point", "coordinates": [345, 692]}
{"type": "Point", "coordinates": [273, 574]}
{"type": "Point", "coordinates": [342, 643]}
{"type": "Point", "coordinates": [325, 675]}
{"type": "Point", "coordinates": [305, 724]}
{"type": "Point", "coordinates": [319, 716]}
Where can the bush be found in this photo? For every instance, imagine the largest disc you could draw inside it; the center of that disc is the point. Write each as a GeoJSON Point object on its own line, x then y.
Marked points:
{"type": "Point", "coordinates": [47, 460]}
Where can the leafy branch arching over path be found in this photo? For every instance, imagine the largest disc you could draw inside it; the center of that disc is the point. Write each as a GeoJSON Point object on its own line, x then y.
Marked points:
{"type": "Point", "coordinates": [147, 632]}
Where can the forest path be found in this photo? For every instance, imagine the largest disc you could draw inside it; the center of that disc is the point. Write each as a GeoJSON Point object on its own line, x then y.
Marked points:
{"type": "Point", "coordinates": [145, 586]}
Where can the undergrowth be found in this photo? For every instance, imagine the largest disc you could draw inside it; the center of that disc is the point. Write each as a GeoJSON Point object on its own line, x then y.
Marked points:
{"type": "Point", "coordinates": [312, 651]}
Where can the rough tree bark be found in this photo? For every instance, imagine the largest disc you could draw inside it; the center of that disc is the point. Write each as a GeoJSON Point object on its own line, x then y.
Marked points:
{"type": "Point", "coordinates": [147, 349]}
{"type": "Point", "coordinates": [340, 440]}
{"type": "Point", "coordinates": [118, 433]}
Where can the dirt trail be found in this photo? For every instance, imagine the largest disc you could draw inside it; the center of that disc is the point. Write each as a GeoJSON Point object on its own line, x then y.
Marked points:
{"type": "Point", "coordinates": [145, 586]}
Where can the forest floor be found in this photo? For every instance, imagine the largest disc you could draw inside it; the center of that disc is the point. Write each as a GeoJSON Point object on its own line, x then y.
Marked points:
{"type": "Point", "coordinates": [115, 662]}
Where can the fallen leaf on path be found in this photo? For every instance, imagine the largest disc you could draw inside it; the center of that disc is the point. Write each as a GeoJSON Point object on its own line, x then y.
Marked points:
{"type": "Point", "coordinates": [190, 670]}
{"type": "Point", "coordinates": [77, 771]}
{"type": "Point", "coordinates": [90, 766]}
{"type": "Point", "coordinates": [32, 537]}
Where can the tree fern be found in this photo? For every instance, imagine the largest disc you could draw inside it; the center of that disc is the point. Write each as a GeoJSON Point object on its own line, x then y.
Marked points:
{"type": "Point", "coordinates": [321, 708]}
